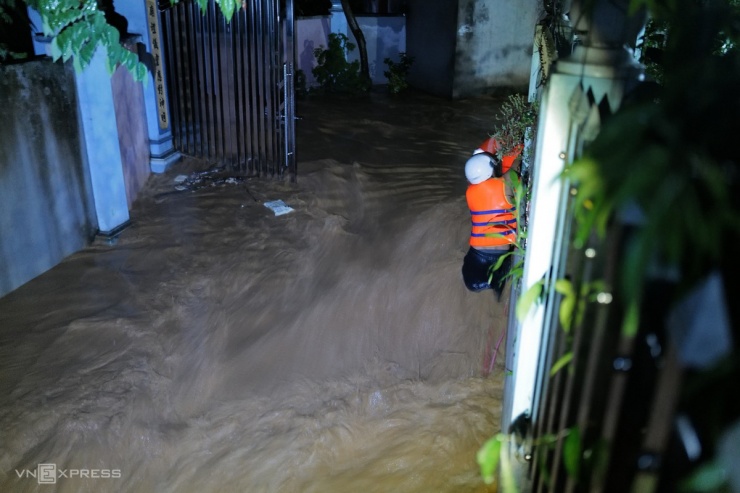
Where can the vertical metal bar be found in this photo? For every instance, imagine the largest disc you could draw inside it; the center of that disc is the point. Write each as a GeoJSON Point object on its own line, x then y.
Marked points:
{"type": "Point", "coordinates": [219, 34]}
{"type": "Point", "coordinates": [280, 80]}
{"type": "Point", "coordinates": [243, 87]}
{"type": "Point", "coordinates": [207, 81]}
{"type": "Point", "coordinates": [244, 78]}
{"type": "Point", "coordinates": [171, 76]}
{"type": "Point", "coordinates": [195, 121]}
{"type": "Point", "coordinates": [203, 110]}
{"type": "Point", "coordinates": [238, 103]}
{"type": "Point", "coordinates": [183, 76]}
{"type": "Point", "coordinates": [190, 101]}
{"type": "Point", "coordinates": [215, 86]}
{"type": "Point", "coordinates": [254, 93]}
{"type": "Point", "coordinates": [591, 402]}
{"type": "Point", "coordinates": [261, 85]}
{"type": "Point", "coordinates": [552, 404]}
{"type": "Point", "coordinates": [213, 77]}
{"type": "Point", "coordinates": [232, 97]}
{"type": "Point", "coordinates": [613, 383]}
{"type": "Point", "coordinates": [271, 87]}
{"type": "Point", "coordinates": [665, 398]}
{"type": "Point", "coordinates": [289, 55]}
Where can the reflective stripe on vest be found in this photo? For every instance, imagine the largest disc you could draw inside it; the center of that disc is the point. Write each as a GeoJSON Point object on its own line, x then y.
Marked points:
{"type": "Point", "coordinates": [493, 218]}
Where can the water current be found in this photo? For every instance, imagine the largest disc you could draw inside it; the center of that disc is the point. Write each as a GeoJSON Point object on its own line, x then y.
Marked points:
{"type": "Point", "coordinates": [218, 347]}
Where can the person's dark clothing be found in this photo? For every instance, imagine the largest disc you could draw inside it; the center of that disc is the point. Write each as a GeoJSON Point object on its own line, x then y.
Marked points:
{"type": "Point", "coordinates": [476, 270]}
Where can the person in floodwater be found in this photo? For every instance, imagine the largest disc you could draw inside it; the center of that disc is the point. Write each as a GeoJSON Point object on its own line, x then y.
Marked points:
{"type": "Point", "coordinates": [508, 161]}
{"type": "Point", "coordinates": [493, 233]}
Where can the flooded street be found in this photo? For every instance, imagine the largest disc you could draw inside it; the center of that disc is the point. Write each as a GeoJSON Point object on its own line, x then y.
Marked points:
{"type": "Point", "coordinates": [218, 347]}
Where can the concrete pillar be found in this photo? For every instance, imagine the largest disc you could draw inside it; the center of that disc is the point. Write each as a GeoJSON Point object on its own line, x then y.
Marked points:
{"type": "Point", "coordinates": [162, 150]}
{"type": "Point", "coordinates": [100, 135]}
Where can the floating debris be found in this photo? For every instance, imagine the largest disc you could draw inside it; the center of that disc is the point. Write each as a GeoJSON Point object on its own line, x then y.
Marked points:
{"type": "Point", "coordinates": [208, 178]}
{"type": "Point", "coordinates": [278, 207]}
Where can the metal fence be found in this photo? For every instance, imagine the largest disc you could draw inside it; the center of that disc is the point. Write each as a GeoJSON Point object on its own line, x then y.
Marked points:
{"type": "Point", "coordinates": [588, 407]}
{"type": "Point", "coordinates": [606, 420]}
{"type": "Point", "coordinates": [230, 84]}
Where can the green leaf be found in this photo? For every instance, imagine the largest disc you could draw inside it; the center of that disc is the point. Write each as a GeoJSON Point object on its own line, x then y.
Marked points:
{"type": "Point", "coordinates": [140, 74]}
{"type": "Point", "coordinates": [488, 457]}
{"type": "Point", "coordinates": [77, 64]}
{"type": "Point", "coordinates": [501, 261]}
{"type": "Point", "coordinates": [508, 481]}
{"type": "Point", "coordinates": [630, 323]}
{"type": "Point", "coordinates": [527, 300]}
{"type": "Point", "coordinates": [572, 453]}
{"type": "Point", "coordinates": [228, 7]}
{"type": "Point", "coordinates": [567, 304]}
{"type": "Point", "coordinates": [562, 362]}
{"type": "Point", "coordinates": [203, 4]}
{"type": "Point", "coordinates": [707, 478]}
{"type": "Point", "coordinates": [56, 51]}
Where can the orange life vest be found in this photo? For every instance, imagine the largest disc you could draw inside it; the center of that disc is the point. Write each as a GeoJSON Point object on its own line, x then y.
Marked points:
{"type": "Point", "coordinates": [491, 147]}
{"type": "Point", "coordinates": [493, 216]}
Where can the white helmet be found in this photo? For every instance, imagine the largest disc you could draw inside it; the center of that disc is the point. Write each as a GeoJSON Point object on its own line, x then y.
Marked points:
{"type": "Point", "coordinates": [479, 168]}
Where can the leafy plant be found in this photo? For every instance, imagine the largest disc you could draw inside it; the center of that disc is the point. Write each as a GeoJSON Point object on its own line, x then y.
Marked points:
{"type": "Point", "coordinates": [333, 72]}
{"type": "Point", "coordinates": [398, 72]}
{"type": "Point", "coordinates": [493, 456]}
{"type": "Point", "coordinates": [651, 46]}
{"type": "Point", "coordinates": [518, 119]}
{"type": "Point", "coordinates": [521, 195]}
{"type": "Point", "coordinates": [681, 174]}
{"type": "Point", "coordinates": [77, 28]}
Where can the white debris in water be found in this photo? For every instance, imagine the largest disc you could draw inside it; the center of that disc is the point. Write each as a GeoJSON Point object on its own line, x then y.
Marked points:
{"type": "Point", "coordinates": [278, 207]}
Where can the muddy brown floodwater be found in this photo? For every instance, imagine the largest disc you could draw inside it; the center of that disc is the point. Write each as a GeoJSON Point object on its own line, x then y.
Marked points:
{"type": "Point", "coordinates": [218, 347]}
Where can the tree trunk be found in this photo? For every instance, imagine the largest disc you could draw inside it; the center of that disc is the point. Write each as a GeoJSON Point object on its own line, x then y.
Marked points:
{"type": "Point", "coordinates": [359, 37]}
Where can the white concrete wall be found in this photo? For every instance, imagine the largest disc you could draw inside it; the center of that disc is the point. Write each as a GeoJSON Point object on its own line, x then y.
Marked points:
{"type": "Point", "coordinates": [469, 47]}
{"type": "Point", "coordinates": [46, 204]}
{"type": "Point", "coordinates": [494, 41]}
{"type": "Point", "coordinates": [385, 37]}
{"type": "Point", "coordinates": [310, 33]}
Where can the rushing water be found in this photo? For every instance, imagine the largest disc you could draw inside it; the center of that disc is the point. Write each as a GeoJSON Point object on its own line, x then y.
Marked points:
{"type": "Point", "coordinates": [217, 347]}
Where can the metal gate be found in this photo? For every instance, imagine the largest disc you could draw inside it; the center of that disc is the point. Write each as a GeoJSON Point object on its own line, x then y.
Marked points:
{"type": "Point", "coordinates": [230, 84]}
